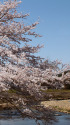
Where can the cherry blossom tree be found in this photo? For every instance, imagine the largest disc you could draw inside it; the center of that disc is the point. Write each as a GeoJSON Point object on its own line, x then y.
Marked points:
{"type": "Point", "coordinates": [19, 67]}
{"type": "Point", "coordinates": [18, 64]}
{"type": "Point", "coordinates": [15, 52]}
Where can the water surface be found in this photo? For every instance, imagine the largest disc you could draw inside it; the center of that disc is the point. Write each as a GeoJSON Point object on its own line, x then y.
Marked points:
{"type": "Point", "coordinates": [61, 119]}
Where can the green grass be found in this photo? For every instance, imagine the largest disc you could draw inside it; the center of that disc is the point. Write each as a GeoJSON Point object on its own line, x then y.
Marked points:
{"type": "Point", "coordinates": [56, 94]}
{"type": "Point", "coordinates": [12, 91]}
{"type": "Point", "coordinates": [56, 90]}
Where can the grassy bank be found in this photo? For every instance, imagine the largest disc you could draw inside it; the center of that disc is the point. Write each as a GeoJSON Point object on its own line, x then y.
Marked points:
{"type": "Point", "coordinates": [53, 99]}
{"type": "Point", "coordinates": [58, 100]}
{"type": "Point", "coordinates": [55, 94]}
{"type": "Point", "coordinates": [62, 105]}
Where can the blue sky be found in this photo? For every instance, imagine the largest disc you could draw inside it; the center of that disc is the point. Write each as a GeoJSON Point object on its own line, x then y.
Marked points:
{"type": "Point", "coordinates": [54, 26]}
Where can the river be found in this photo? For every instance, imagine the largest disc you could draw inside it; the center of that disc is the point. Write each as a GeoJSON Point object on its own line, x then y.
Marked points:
{"type": "Point", "coordinates": [7, 119]}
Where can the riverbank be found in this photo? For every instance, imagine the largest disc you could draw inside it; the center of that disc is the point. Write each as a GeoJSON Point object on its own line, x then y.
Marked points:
{"type": "Point", "coordinates": [58, 100]}
{"type": "Point", "coordinates": [58, 105]}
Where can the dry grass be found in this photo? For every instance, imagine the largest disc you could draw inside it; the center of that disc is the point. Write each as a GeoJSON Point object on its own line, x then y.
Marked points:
{"type": "Point", "coordinates": [62, 105]}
